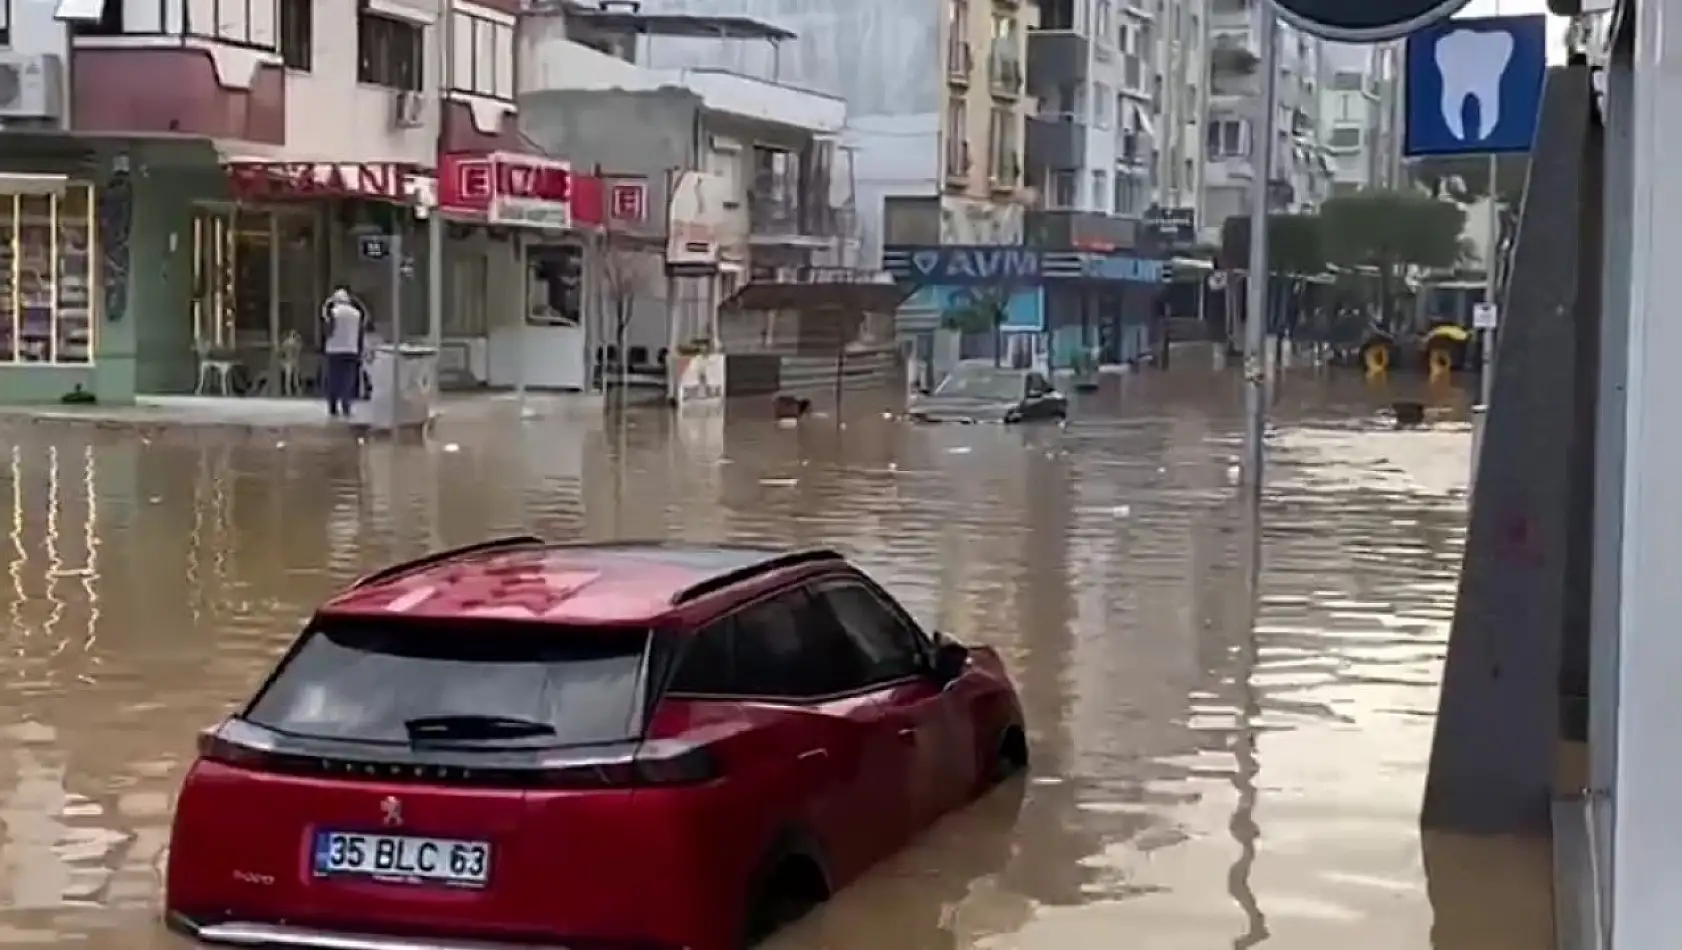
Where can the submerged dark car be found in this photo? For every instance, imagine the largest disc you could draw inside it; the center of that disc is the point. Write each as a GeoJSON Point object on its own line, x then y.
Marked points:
{"type": "Point", "coordinates": [982, 392]}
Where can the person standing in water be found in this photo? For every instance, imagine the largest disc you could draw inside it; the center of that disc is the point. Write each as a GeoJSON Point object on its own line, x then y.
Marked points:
{"type": "Point", "coordinates": [344, 328]}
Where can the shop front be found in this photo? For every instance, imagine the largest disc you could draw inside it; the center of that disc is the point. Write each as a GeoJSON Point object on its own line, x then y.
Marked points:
{"type": "Point", "coordinates": [516, 318]}
{"type": "Point", "coordinates": [51, 273]}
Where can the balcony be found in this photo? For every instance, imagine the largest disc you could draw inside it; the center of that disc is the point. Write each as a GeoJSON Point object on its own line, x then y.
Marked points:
{"type": "Point", "coordinates": [960, 62]}
{"type": "Point", "coordinates": [1081, 229]}
{"type": "Point", "coordinates": [780, 220]}
{"type": "Point", "coordinates": [1234, 53]}
{"type": "Point", "coordinates": [158, 86]}
{"type": "Point", "coordinates": [1057, 58]}
{"type": "Point", "coordinates": [1056, 141]}
{"type": "Point", "coordinates": [1004, 76]}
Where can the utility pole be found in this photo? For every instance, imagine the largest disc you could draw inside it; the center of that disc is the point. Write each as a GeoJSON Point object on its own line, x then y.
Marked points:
{"type": "Point", "coordinates": [1255, 281]}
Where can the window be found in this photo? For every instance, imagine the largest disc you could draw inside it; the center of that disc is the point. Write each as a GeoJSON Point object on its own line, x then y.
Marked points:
{"type": "Point", "coordinates": [957, 139]}
{"type": "Point", "coordinates": [389, 52]}
{"type": "Point", "coordinates": [297, 33]}
{"type": "Point", "coordinates": [1100, 189]}
{"type": "Point", "coordinates": [784, 647]}
{"type": "Point", "coordinates": [85, 17]}
{"type": "Point", "coordinates": [365, 681]}
{"type": "Point", "coordinates": [892, 647]}
{"type": "Point", "coordinates": [1101, 25]}
{"type": "Point", "coordinates": [47, 272]}
{"type": "Point", "coordinates": [482, 56]}
{"type": "Point", "coordinates": [1001, 143]}
{"type": "Point", "coordinates": [1102, 101]}
{"type": "Point", "coordinates": [1061, 190]}
{"type": "Point", "coordinates": [1345, 137]}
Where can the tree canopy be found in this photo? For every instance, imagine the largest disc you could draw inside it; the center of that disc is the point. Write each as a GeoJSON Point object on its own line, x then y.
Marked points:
{"type": "Point", "coordinates": [1294, 244]}
{"type": "Point", "coordinates": [1388, 229]}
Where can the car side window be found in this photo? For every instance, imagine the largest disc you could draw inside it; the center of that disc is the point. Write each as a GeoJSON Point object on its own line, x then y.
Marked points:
{"type": "Point", "coordinates": [786, 647]}
{"type": "Point", "coordinates": [708, 665]}
{"type": "Point", "coordinates": [890, 647]}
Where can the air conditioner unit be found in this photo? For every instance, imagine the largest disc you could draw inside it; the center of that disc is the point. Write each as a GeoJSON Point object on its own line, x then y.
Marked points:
{"type": "Point", "coordinates": [31, 86]}
{"type": "Point", "coordinates": [407, 109]}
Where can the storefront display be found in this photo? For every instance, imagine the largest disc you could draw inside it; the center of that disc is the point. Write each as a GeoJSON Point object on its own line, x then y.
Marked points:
{"type": "Point", "coordinates": [47, 252]}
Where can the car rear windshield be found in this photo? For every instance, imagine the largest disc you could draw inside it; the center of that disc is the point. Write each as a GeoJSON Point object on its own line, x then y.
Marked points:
{"type": "Point", "coordinates": [374, 682]}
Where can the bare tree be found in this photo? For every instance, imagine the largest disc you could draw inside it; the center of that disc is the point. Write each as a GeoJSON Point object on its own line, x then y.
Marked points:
{"type": "Point", "coordinates": [626, 276]}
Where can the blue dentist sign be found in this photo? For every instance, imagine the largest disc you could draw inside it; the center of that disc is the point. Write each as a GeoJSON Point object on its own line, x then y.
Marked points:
{"type": "Point", "coordinates": [1474, 86]}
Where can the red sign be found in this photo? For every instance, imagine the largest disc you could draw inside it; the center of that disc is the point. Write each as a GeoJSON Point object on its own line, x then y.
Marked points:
{"type": "Point", "coordinates": [628, 201]}
{"type": "Point", "coordinates": [505, 188]}
{"type": "Point", "coordinates": [270, 181]}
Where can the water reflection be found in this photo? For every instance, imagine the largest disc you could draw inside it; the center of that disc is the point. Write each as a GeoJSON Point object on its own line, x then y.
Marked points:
{"type": "Point", "coordinates": [1229, 716]}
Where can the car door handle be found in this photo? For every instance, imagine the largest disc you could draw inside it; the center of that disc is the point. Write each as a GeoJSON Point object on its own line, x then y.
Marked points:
{"type": "Point", "coordinates": [908, 734]}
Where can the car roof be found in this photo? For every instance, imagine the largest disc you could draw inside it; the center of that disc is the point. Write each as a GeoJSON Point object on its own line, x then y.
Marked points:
{"type": "Point", "coordinates": [528, 579]}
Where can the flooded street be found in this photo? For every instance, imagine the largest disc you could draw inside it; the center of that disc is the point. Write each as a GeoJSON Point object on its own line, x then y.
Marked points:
{"type": "Point", "coordinates": [1195, 784]}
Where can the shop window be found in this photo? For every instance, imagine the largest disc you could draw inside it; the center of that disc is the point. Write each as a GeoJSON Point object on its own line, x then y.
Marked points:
{"type": "Point", "coordinates": [557, 285]}
{"type": "Point", "coordinates": [46, 277]}
{"type": "Point", "coordinates": [389, 52]}
{"type": "Point", "coordinates": [297, 33]}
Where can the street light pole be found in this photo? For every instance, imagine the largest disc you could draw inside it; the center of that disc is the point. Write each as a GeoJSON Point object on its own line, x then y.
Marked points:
{"type": "Point", "coordinates": [1255, 281]}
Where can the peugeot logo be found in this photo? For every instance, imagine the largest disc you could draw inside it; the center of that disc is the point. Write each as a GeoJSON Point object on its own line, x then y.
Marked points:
{"type": "Point", "coordinates": [391, 811]}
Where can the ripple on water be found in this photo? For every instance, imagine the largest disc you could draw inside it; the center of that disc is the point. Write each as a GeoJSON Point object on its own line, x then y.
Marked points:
{"type": "Point", "coordinates": [1229, 731]}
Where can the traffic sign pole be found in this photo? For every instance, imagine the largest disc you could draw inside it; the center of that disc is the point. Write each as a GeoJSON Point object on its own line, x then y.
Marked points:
{"type": "Point", "coordinates": [1255, 281]}
{"type": "Point", "coordinates": [1486, 341]}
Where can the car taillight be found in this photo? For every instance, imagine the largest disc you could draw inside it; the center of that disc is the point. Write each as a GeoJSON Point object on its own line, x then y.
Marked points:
{"type": "Point", "coordinates": [214, 747]}
{"type": "Point", "coordinates": [685, 765]}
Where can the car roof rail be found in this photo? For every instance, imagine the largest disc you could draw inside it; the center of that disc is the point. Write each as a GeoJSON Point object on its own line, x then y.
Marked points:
{"type": "Point", "coordinates": [725, 579]}
{"type": "Point", "coordinates": [434, 557]}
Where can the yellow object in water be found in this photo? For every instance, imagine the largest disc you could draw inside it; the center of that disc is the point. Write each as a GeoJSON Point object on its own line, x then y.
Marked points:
{"type": "Point", "coordinates": [1377, 359]}
{"type": "Point", "coordinates": [1440, 360]}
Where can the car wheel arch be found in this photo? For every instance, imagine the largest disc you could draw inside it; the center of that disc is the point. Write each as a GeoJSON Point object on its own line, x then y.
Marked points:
{"type": "Point", "coordinates": [794, 862]}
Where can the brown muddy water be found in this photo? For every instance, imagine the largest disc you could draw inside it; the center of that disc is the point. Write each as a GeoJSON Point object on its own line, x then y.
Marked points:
{"type": "Point", "coordinates": [1229, 728]}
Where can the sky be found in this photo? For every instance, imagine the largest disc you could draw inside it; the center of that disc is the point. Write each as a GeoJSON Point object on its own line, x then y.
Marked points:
{"type": "Point", "coordinates": [1556, 25]}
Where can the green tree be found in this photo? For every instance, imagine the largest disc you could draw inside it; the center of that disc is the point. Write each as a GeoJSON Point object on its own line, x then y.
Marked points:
{"type": "Point", "coordinates": [1389, 231]}
{"type": "Point", "coordinates": [1294, 244]}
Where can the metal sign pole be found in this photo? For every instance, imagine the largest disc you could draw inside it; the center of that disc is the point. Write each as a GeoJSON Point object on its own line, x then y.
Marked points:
{"type": "Point", "coordinates": [1255, 281]}
{"type": "Point", "coordinates": [395, 254]}
{"type": "Point", "coordinates": [1486, 343]}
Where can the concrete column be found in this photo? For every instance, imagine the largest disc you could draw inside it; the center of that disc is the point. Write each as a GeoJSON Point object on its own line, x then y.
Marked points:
{"type": "Point", "coordinates": [1647, 790]}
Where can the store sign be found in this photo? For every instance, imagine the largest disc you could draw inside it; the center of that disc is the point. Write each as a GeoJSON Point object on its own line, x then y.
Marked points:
{"type": "Point", "coordinates": [698, 380]}
{"type": "Point", "coordinates": [695, 219]}
{"type": "Point", "coordinates": [973, 264]}
{"type": "Point", "coordinates": [507, 189]}
{"type": "Point", "coordinates": [1365, 21]}
{"type": "Point", "coordinates": [627, 202]}
{"type": "Point", "coordinates": [273, 181]}
{"type": "Point", "coordinates": [961, 265]}
{"type": "Point", "coordinates": [1173, 225]}
{"type": "Point", "coordinates": [1117, 267]}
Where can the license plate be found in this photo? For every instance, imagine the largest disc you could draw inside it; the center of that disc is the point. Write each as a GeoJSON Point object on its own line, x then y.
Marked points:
{"type": "Point", "coordinates": [403, 859]}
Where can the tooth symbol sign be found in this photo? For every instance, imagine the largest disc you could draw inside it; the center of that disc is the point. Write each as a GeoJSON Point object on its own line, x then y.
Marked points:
{"type": "Point", "coordinates": [1471, 63]}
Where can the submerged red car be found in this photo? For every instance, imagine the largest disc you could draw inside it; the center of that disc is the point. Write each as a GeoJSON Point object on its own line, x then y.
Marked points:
{"type": "Point", "coordinates": [603, 746]}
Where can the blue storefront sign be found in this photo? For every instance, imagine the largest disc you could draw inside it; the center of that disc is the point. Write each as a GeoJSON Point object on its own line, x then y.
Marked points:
{"type": "Point", "coordinates": [1024, 312]}
{"type": "Point", "coordinates": [959, 265]}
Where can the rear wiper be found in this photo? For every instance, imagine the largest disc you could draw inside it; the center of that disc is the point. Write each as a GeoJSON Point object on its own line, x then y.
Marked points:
{"type": "Point", "coordinates": [425, 728]}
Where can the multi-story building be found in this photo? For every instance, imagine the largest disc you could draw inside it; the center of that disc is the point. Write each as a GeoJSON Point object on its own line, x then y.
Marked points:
{"type": "Point", "coordinates": [1301, 170]}
{"type": "Point", "coordinates": [1180, 100]}
{"type": "Point", "coordinates": [1359, 113]}
{"type": "Point", "coordinates": [744, 171]}
{"type": "Point", "coordinates": [936, 142]}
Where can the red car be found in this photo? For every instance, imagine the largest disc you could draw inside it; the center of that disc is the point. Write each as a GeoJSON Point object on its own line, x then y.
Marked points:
{"type": "Point", "coordinates": [605, 746]}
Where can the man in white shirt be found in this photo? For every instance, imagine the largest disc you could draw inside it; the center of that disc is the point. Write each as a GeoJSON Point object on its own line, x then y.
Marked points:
{"type": "Point", "coordinates": [344, 327]}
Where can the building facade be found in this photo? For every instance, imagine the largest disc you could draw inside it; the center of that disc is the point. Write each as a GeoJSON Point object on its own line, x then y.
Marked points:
{"type": "Point", "coordinates": [1360, 111]}
{"type": "Point", "coordinates": [745, 173]}
{"type": "Point", "coordinates": [1301, 166]}
{"type": "Point", "coordinates": [184, 190]}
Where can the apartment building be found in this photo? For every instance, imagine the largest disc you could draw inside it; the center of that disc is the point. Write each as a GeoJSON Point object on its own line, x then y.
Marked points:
{"type": "Point", "coordinates": [1180, 98]}
{"type": "Point", "coordinates": [1360, 113]}
{"type": "Point", "coordinates": [935, 97]}
{"type": "Point", "coordinates": [1301, 166]}
{"type": "Point", "coordinates": [743, 172]}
